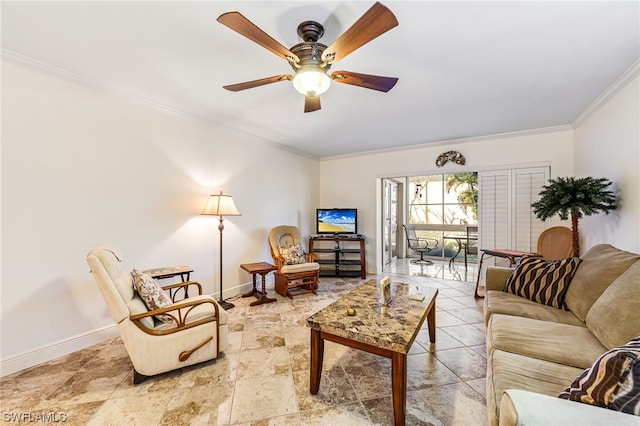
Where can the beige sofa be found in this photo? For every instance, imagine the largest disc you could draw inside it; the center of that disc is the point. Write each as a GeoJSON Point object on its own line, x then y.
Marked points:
{"type": "Point", "coordinates": [536, 351]}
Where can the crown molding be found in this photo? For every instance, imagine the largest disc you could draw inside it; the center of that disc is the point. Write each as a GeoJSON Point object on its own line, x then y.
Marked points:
{"type": "Point", "coordinates": [620, 83]}
{"type": "Point", "coordinates": [64, 74]}
{"type": "Point", "coordinates": [449, 142]}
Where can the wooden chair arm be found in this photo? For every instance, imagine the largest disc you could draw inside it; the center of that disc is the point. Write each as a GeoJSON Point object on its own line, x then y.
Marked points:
{"type": "Point", "coordinates": [311, 257]}
{"type": "Point", "coordinates": [174, 289]}
{"type": "Point", "coordinates": [279, 262]}
{"type": "Point", "coordinates": [179, 313]}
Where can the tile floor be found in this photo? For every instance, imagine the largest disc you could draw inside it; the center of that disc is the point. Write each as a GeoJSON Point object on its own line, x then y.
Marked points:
{"type": "Point", "coordinates": [263, 376]}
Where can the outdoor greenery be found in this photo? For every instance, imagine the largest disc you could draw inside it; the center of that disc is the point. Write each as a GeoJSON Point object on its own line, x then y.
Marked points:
{"type": "Point", "coordinates": [447, 199]}
{"type": "Point", "coordinates": [441, 201]}
{"type": "Point", "coordinates": [466, 184]}
{"type": "Point", "coordinates": [575, 197]}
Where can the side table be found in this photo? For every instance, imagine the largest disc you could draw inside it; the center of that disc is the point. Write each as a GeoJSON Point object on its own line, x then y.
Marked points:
{"type": "Point", "coordinates": [255, 269]}
{"type": "Point", "coordinates": [512, 255]}
{"type": "Point", "coordinates": [183, 271]}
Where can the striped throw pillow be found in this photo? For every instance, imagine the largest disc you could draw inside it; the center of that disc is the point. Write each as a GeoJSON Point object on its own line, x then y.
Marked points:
{"type": "Point", "coordinates": [612, 382]}
{"type": "Point", "coordinates": [544, 282]}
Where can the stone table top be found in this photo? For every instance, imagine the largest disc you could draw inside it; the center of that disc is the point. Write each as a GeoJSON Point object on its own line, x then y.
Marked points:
{"type": "Point", "coordinates": [392, 327]}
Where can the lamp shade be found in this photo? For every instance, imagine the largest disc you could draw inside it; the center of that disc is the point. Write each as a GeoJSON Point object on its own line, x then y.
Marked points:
{"type": "Point", "coordinates": [220, 205]}
{"type": "Point", "coordinates": [311, 81]}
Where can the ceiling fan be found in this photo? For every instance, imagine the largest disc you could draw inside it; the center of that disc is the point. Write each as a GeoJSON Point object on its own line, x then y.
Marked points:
{"type": "Point", "coordinates": [311, 60]}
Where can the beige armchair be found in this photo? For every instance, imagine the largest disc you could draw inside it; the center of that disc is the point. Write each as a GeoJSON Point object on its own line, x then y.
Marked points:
{"type": "Point", "coordinates": [297, 272]}
{"type": "Point", "coordinates": [191, 331]}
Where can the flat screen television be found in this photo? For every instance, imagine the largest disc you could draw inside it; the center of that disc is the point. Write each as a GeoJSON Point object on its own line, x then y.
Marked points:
{"type": "Point", "coordinates": [337, 221]}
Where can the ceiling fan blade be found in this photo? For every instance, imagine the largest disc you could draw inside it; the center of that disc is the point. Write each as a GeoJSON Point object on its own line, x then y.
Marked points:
{"type": "Point", "coordinates": [238, 23]}
{"type": "Point", "coordinates": [375, 82]}
{"type": "Point", "coordinates": [376, 21]}
{"type": "Point", "coordinates": [311, 104]}
{"type": "Point", "coordinates": [255, 83]}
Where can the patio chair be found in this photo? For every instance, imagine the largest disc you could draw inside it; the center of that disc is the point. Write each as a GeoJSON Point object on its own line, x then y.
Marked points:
{"type": "Point", "coordinates": [419, 244]}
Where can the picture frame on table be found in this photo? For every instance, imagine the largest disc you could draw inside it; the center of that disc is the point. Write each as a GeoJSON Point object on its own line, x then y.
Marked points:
{"type": "Point", "coordinates": [385, 291]}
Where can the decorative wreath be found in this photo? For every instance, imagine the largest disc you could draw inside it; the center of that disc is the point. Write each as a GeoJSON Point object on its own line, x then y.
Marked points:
{"type": "Point", "coordinates": [454, 156]}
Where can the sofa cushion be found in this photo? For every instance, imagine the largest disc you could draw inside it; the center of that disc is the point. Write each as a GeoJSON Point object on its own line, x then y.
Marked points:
{"type": "Point", "coordinates": [613, 381]}
{"type": "Point", "coordinates": [496, 277]}
{"type": "Point", "coordinates": [151, 293]}
{"type": "Point", "coordinates": [600, 266]}
{"type": "Point", "coordinates": [550, 341]}
{"type": "Point", "coordinates": [506, 370]}
{"type": "Point", "coordinates": [542, 281]}
{"type": "Point", "coordinates": [499, 302]}
{"type": "Point", "coordinates": [615, 317]}
{"type": "Point", "coordinates": [301, 267]}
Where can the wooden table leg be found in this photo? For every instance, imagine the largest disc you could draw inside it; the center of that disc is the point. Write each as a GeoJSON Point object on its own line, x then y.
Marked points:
{"type": "Point", "coordinates": [476, 295]}
{"type": "Point", "coordinates": [255, 288]}
{"type": "Point", "coordinates": [399, 387]}
{"type": "Point", "coordinates": [317, 355]}
{"type": "Point", "coordinates": [431, 323]}
{"type": "Point", "coordinates": [262, 296]}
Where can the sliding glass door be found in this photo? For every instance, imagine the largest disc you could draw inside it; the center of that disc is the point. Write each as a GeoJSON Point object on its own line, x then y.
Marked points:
{"type": "Point", "coordinates": [443, 205]}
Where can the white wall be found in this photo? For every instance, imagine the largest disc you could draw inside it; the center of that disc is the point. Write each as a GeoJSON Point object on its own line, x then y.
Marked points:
{"type": "Point", "coordinates": [607, 144]}
{"type": "Point", "coordinates": [351, 181]}
{"type": "Point", "coordinates": [81, 167]}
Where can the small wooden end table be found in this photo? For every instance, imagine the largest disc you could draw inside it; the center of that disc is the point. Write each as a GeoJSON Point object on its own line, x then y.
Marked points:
{"type": "Point", "coordinates": [183, 271]}
{"type": "Point", "coordinates": [512, 255]}
{"type": "Point", "coordinates": [255, 269]}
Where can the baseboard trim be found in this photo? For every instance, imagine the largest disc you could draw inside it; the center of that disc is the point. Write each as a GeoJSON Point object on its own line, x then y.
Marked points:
{"type": "Point", "coordinates": [81, 341]}
{"type": "Point", "coordinates": [57, 349]}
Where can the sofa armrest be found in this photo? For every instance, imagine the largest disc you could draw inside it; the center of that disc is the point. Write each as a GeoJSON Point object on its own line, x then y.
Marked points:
{"type": "Point", "coordinates": [521, 408]}
{"type": "Point", "coordinates": [496, 277]}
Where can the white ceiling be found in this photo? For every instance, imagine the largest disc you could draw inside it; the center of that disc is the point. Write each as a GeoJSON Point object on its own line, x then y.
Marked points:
{"type": "Point", "coordinates": [465, 68]}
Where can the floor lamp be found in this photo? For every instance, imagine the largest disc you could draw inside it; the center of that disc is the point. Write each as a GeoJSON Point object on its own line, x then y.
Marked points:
{"type": "Point", "coordinates": [221, 205]}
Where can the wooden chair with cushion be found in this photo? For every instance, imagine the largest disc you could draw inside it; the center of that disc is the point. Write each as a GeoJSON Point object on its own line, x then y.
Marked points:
{"type": "Point", "coordinates": [174, 333]}
{"type": "Point", "coordinates": [297, 272]}
{"type": "Point", "coordinates": [555, 243]}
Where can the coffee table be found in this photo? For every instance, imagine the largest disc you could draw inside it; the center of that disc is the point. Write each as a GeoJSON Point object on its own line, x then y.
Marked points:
{"type": "Point", "coordinates": [388, 331]}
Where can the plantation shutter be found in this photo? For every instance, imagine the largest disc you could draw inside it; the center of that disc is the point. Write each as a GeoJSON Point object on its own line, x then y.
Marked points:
{"type": "Point", "coordinates": [527, 228]}
{"type": "Point", "coordinates": [505, 216]}
{"type": "Point", "coordinates": [494, 208]}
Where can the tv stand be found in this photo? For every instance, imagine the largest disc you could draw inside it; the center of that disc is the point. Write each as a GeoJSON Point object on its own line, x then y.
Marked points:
{"type": "Point", "coordinates": [339, 255]}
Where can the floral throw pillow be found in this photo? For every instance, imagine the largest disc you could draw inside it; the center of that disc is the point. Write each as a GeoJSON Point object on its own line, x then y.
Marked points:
{"type": "Point", "coordinates": [151, 293]}
{"type": "Point", "coordinates": [293, 255]}
{"type": "Point", "coordinates": [612, 382]}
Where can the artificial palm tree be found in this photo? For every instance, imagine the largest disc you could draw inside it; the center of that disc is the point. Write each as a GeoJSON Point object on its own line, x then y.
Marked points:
{"type": "Point", "coordinates": [577, 197]}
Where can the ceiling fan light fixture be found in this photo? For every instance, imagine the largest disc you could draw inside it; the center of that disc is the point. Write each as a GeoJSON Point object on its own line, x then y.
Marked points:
{"type": "Point", "coordinates": [311, 81]}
